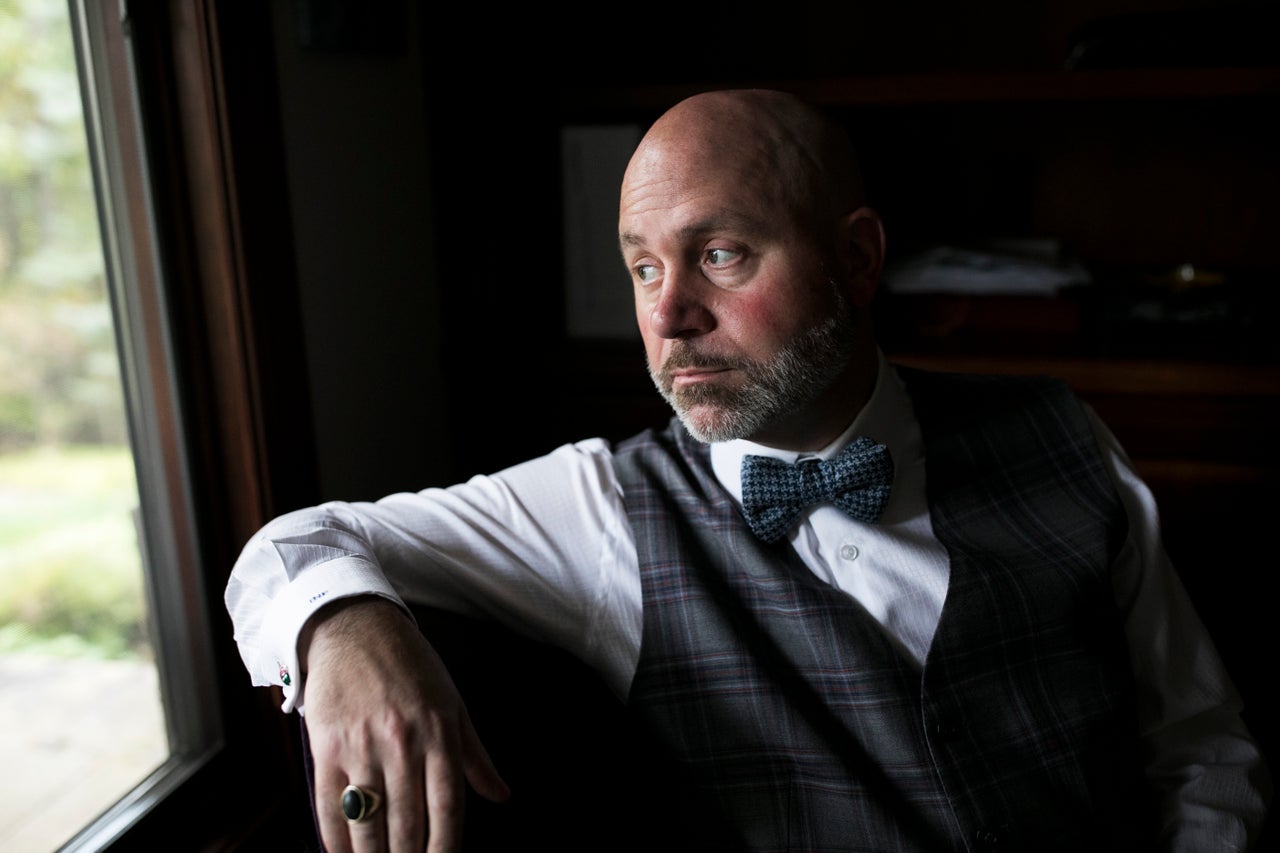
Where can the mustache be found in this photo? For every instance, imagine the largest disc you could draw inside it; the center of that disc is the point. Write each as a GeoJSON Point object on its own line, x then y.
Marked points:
{"type": "Point", "coordinates": [684, 355]}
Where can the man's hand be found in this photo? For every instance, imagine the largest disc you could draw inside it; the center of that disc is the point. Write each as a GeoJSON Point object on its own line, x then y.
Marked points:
{"type": "Point", "coordinates": [382, 713]}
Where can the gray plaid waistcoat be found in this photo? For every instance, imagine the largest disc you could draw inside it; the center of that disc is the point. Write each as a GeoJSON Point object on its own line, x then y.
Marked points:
{"type": "Point", "coordinates": [795, 725]}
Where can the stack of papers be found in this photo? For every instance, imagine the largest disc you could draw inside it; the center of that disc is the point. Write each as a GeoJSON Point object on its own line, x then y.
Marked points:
{"type": "Point", "coordinates": [950, 269]}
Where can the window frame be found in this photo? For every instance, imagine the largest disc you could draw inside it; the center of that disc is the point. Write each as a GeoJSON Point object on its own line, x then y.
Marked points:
{"type": "Point", "coordinates": [221, 439]}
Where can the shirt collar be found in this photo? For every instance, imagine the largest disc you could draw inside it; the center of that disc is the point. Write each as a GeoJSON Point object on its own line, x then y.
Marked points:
{"type": "Point", "coordinates": [881, 419]}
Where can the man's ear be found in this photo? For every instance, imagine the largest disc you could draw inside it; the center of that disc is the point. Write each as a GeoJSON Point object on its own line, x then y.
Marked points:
{"type": "Point", "coordinates": [863, 242]}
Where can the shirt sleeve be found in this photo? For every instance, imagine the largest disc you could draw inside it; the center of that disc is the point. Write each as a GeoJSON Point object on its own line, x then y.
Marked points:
{"type": "Point", "coordinates": [1211, 779]}
{"type": "Point", "coordinates": [542, 547]}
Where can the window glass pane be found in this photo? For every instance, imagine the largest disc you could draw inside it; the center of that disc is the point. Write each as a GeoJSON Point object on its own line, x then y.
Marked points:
{"type": "Point", "coordinates": [81, 718]}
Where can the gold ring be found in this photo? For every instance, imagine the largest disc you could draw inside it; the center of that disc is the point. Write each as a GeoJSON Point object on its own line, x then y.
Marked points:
{"type": "Point", "coordinates": [357, 803]}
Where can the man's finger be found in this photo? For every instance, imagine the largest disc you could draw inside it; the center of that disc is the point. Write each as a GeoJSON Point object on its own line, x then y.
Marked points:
{"type": "Point", "coordinates": [446, 800]}
{"type": "Point", "coordinates": [329, 782]}
{"type": "Point", "coordinates": [368, 832]}
{"type": "Point", "coordinates": [481, 772]}
{"type": "Point", "coordinates": [406, 808]}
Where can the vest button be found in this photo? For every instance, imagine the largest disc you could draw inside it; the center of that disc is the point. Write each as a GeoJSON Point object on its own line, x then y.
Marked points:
{"type": "Point", "coordinates": [945, 729]}
{"type": "Point", "coordinates": [989, 837]}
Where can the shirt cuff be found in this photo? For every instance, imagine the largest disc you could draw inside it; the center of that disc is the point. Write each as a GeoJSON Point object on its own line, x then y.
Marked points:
{"type": "Point", "coordinates": [289, 612]}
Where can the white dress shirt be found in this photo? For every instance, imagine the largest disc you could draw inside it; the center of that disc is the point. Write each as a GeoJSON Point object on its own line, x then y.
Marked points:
{"type": "Point", "coordinates": [545, 547]}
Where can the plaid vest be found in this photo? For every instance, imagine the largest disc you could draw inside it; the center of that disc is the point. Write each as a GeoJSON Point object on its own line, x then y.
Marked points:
{"type": "Point", "coordinates": [792, 722]}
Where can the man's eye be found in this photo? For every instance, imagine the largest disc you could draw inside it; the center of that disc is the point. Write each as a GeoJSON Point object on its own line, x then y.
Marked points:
{"type": "Point", "coordinates": [717, 257]}
{"type": "Point", "coordinates": [646, 273]}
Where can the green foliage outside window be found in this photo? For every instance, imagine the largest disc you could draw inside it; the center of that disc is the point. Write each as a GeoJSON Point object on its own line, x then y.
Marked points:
{"type": "Point", "coordinates": [70, 575]}
{"type": "Point", "coordinates": [59, 379]}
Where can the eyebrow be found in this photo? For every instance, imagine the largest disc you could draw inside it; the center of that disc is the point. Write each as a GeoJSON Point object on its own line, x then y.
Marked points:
{"type": "Point", "coordinates": [722, 221]}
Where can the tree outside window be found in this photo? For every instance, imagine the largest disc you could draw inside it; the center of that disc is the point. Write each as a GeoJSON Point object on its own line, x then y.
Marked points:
{"type": "Point", "coordinates": [81, 719]}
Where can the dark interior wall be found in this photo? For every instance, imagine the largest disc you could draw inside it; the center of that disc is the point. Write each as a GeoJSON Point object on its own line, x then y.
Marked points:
{"type": "Point", "coordinates": [422, 168]}
{"type": "Point", "coordinates": [359, 177]}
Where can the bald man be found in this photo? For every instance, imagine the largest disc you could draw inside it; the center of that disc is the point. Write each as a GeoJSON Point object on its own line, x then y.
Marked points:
{"type": "Point", "coordinates": [860, 607]}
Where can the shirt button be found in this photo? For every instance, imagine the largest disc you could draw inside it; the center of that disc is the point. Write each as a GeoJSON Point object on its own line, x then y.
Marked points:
{"type": "Point", "coordinates": [848, 552]}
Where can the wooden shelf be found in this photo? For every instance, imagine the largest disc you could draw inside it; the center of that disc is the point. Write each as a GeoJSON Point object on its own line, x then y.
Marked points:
{"type": "Point", "coordinates": [961, 87]}
{"type": "Point", "coordinates": [615, 369]}
{"type": "Point", "coordinates": [1149, 376]}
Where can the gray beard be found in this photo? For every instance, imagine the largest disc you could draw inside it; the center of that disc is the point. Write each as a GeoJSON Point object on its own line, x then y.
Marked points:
{"type": "Point", "coordinates": [792, 378]}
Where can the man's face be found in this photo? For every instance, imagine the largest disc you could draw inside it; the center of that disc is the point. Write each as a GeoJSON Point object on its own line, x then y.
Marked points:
{"type": "Point", "coordinates": [743, 324]}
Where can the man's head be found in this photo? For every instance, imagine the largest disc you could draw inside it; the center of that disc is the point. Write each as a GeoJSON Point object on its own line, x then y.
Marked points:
{"type": "Point", "coordinates": [754, 259]}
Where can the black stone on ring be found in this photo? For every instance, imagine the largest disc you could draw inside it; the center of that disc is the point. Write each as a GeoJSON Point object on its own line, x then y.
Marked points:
{"type": "Point", "coordinates": [357, 803]}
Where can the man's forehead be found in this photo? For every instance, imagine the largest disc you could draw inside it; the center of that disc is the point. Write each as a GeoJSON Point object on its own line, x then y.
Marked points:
{"type": "Point", "coordinates": [701, 156]}
{"type": "Point", "coordinates": [723, 197]}
{"type": "Point", "coordinates": [678, 190]}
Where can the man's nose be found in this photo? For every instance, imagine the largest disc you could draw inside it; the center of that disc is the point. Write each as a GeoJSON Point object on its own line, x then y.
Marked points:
{"type": "Point", "coordinates": [680, 310]}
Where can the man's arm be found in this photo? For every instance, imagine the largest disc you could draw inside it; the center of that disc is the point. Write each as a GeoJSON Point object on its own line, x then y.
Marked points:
{"type": "Point", "coordinates": [1211, 780]}
{"type": "Point", "coordinates": [317, 602]}
{"type": "Point", "coordinates": [543, 548]}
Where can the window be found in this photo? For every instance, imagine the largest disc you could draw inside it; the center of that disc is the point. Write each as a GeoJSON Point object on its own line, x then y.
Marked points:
{"type": "Point", "coordinates": [139, 256]}
{"type": "Point", "coordinates": [103, 650]}
{"type": "Point", "coordinates": [80, 702]}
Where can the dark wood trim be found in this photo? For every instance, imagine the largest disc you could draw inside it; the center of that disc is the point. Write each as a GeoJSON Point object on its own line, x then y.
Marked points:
{"type": "Point", "coordinates": [961, 87]}
{"type": "Point", "coordinates": [223, 284]}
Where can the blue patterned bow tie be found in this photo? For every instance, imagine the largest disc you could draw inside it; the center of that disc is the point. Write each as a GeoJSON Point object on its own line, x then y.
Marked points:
{"type": "Point", "coordinates": [774, 493]}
